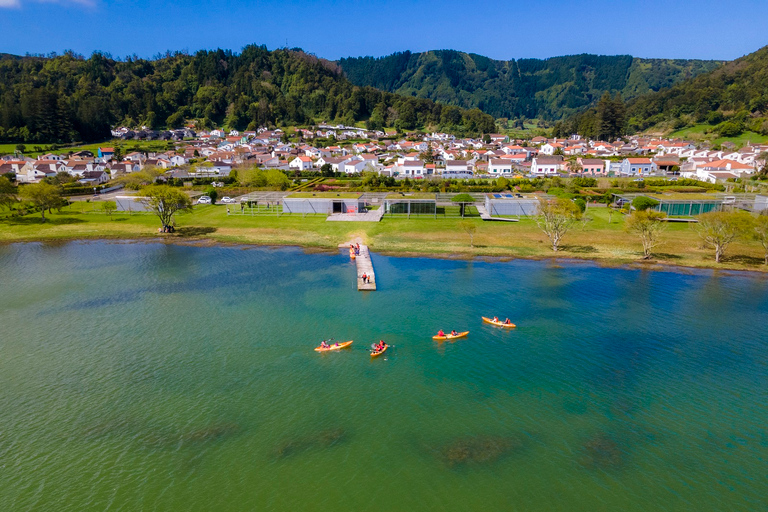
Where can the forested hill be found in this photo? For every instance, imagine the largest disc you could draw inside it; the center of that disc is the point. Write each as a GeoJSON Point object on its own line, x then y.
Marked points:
{"type": "Point", "coordinates": [68, 97]}
{"type": "Point", "coordinates": [732, 98]}
{"type": "Point", "coordinates": [532, 88]}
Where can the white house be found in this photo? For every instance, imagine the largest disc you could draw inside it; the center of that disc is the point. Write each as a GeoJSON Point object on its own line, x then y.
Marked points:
{"type": "Point", "coordinates": [547, 165]}
{"type": "Point", "coordinates": [500, 166]}
{"type": "Point", "coordinates": [353, 166]}
{"type": "Point", "coordinates": [411, 169]}
{"type": "Point", "coordinates": [302, 163]}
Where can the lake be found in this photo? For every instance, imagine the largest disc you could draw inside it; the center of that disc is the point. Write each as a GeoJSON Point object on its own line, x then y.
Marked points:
{"type": "Point", "coordinates": [148, 376]}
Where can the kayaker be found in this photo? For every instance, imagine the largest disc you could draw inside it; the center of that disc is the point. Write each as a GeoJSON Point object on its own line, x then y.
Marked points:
{"type": "Point", "coordinates": [495, 319]}
{"type": "Point", "coordinates": [507, 321]}
{"type": "Point", "coordinates": [323, 344]}
{"type": "Point", "coordinates": [454, 333]}
{"type": "Point", "coordinates": [440, 333]}
{"type": "Point", "coordinates": [380, 346]}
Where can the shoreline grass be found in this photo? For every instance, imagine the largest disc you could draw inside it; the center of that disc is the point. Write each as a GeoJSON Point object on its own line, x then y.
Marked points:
{"type": "Point", "coordinates": [596, 240]}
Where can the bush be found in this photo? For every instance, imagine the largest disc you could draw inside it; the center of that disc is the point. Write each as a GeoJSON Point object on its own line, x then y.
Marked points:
{"type": "Point", "coordinates": [643, 203]}
{"type": "Point", "coordinates": [582, 204]}
{"type": "Point", "coordinates": [213, 194]}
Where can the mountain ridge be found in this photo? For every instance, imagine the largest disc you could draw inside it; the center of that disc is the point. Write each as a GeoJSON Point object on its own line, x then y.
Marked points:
{"type": "Point", "coordinates": [550, 88]}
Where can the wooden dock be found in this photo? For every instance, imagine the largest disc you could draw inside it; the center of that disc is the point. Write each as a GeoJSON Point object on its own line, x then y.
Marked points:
{"type": "Point", "coordinates": [364, 266]}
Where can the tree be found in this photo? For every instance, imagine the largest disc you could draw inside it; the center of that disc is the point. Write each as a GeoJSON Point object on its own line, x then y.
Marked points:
{"type": "Point", "coordinates": [326, 170]}
{"type": "Point", "coordinates": [43, 195]}
{"type": "Point", "coordinates": [761, 233]}
{"type": "Point", "coordinates": [164, 201]}
{"type": "Point", "coordinates": [108, 207]}
{"type": "Point", "coordinates": [7, 192]}
{"type": "Point", "coordinates": [469, 228]}
{"type": "Point", "coordinates": [642, 203]}
{"type": "Point", "coordinates": [556, 217]}
{"type": "Point", "coordinates": [648, 225]}
{"type": "Point", "coordinates": [21, 148]}
{"type": "Point", "coordinates": [719, 229]}
{"type": "Point", "coordinates": [610, 116]}
{"type": "Point", "coordinates": [463, 199]}
{"type": "Point", "coordinates": [213, 194]}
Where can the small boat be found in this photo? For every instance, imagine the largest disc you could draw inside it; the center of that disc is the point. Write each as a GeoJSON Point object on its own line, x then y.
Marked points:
{"type": "Point", "coordinates": [497, 323]}
{"type": "Point", "coordinates": [334, 346]}
{"type": "Point", "coordinates": [376, 353]}
{"type": "Point", "coordinates": [450, 336]}
{"type": "Point", "coordinates": [352, 255]}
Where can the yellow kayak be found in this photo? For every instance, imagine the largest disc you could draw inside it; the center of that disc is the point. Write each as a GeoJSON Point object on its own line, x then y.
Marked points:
{"type": "Point", "coordinates": [497, 323]}
{"type": "Point", "coordinates": [450, 336]}
{"type": "Point", "coordinates": [335, 346]}
{"type": "Point", "coordinates": [376, 353]}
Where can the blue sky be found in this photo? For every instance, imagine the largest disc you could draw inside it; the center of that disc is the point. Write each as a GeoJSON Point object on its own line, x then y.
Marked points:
{"type": "Point", "coordinates": [703, 29]}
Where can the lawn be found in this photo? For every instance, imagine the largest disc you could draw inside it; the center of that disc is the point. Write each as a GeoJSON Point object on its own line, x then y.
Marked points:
{"type": "Point", "coordinates": [594, 240]}
{"type": "Point", "coordinates": [697, 133]}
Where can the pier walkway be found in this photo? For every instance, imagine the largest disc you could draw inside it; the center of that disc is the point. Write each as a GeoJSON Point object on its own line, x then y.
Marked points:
{"type": "Point", "coordinates": [364, 266]}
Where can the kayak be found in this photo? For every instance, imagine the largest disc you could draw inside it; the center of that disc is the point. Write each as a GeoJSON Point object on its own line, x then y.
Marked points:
{"type": "Point", "coordinates": [450, 336]}
{"type": "Point", "coordinates": [335, 346]}
{"type": "Point", "coordinates": [352, 255]}
{"type": "Point", "coordinates": [376, 353]}
{"type": "Point", "coordinates": [498, 323]}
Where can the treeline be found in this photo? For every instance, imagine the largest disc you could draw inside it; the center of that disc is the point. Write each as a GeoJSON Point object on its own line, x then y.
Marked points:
{"type": "Point", "coordinates": [68, 98]}
{"type": "Point", "coordinates": [527, 88]}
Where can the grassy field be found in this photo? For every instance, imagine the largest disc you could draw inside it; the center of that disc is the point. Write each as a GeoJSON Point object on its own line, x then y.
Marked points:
{"type": "Point", "coordinates": [126, 145]}
{"type": "Point", "coordinates": [597, 239]}
{"type": "Point", "coordinates": [697, 133]}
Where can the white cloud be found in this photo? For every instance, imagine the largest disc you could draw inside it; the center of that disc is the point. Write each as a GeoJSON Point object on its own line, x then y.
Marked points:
{"type": "Point", "coordinates": [8, 4]}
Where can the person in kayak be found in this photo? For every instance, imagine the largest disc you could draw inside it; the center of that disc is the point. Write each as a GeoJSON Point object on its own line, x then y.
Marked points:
{"type": "Point", "coordinates": [323, 344]}
{"type": "Point", "coordinates": [440, 333]}
{"type": "Point", "coordinates": [495, 319]}
{"type": "Point", "coordinates": [507, 322]}
{"type": "Point", "coordinates": [454, 333]}
{"type": "Point", "coordinates": [380, 346]}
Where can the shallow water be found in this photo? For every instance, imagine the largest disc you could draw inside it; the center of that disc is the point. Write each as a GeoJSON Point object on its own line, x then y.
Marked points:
{"type": "Point", "coordinates": [139, 376]}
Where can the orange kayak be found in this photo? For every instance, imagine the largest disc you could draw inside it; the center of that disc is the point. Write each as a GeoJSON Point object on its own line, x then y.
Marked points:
{"type": "Point", "coordinates": [497, 323]}
{"type": "Point", "coordinates": [376, 353]}
{"type": "Point", "coordinates": [335, 346]}
{"type": "Point", "coordinates": [450, 336]}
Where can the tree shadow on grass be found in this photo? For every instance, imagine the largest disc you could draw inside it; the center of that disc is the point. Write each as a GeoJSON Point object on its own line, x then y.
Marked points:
{"type": "Point", "coordinates": [666, 256]}
{"type": "Point", "coordinates": [195, 231]}
{"type": "Point", "coordinates": [53, 221]}
{"type": "Point", "coordinates": [742, 259]}
{"type": "Point", "coordinates": [581, 249]}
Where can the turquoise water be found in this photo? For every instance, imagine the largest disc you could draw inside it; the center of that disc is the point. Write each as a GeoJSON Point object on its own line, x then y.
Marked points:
{"type": "Point", "coordinates": [140, 376]}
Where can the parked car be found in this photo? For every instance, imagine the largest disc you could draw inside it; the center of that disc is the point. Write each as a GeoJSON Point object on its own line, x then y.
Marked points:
{"type": "Point", "coordinates": [204, 200]}
{"type": "Point", "coordinates": [227, 200]}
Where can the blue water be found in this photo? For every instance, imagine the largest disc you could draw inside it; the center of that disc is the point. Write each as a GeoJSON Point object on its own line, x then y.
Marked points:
{"type": "Point", "coordinates": [143, 376]}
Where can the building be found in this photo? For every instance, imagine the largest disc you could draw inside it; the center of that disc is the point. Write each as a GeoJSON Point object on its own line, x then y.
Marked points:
{"type": "Point", "coordinates": [592, 166]}
{"type": "Point", "coordinates": [547, 165]}
{"type": "Point", "coordinates": [500, 166]}
{"type": "Point", "coordinates": [510, 205]}
{"type": "Point", "coordinates": [324, 203]}
{"type": "Point", "coordinates": [400, 203]}
{"type": "Point", "coordinates": [301, 163]}
{"type": "Point", "coordinates": [637, 167]}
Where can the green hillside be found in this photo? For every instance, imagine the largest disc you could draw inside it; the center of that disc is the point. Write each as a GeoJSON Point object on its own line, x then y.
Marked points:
{"type": "Point", "coordinates": [68, 97]}
{"type": "Point", "coordinates": [533, 88]}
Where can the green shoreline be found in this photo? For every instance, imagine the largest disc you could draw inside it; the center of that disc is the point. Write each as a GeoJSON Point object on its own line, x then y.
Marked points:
{"type": "Point", "coordinates": [605, 244]}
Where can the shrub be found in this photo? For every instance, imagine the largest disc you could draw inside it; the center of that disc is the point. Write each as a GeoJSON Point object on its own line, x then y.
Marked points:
{"type": "Point", "coordinates": [641, 203]}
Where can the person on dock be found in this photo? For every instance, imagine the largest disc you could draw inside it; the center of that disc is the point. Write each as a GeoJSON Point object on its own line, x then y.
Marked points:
{"type": "Point", "coordinates": [364, 277]}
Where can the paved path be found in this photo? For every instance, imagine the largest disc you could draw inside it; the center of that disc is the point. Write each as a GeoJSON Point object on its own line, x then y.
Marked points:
{"type": "Point", "coordinates": [369, 216]}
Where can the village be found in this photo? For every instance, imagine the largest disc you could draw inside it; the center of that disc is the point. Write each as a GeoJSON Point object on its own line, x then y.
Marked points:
{"type": "Point", "coordinates": [216, 153]}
